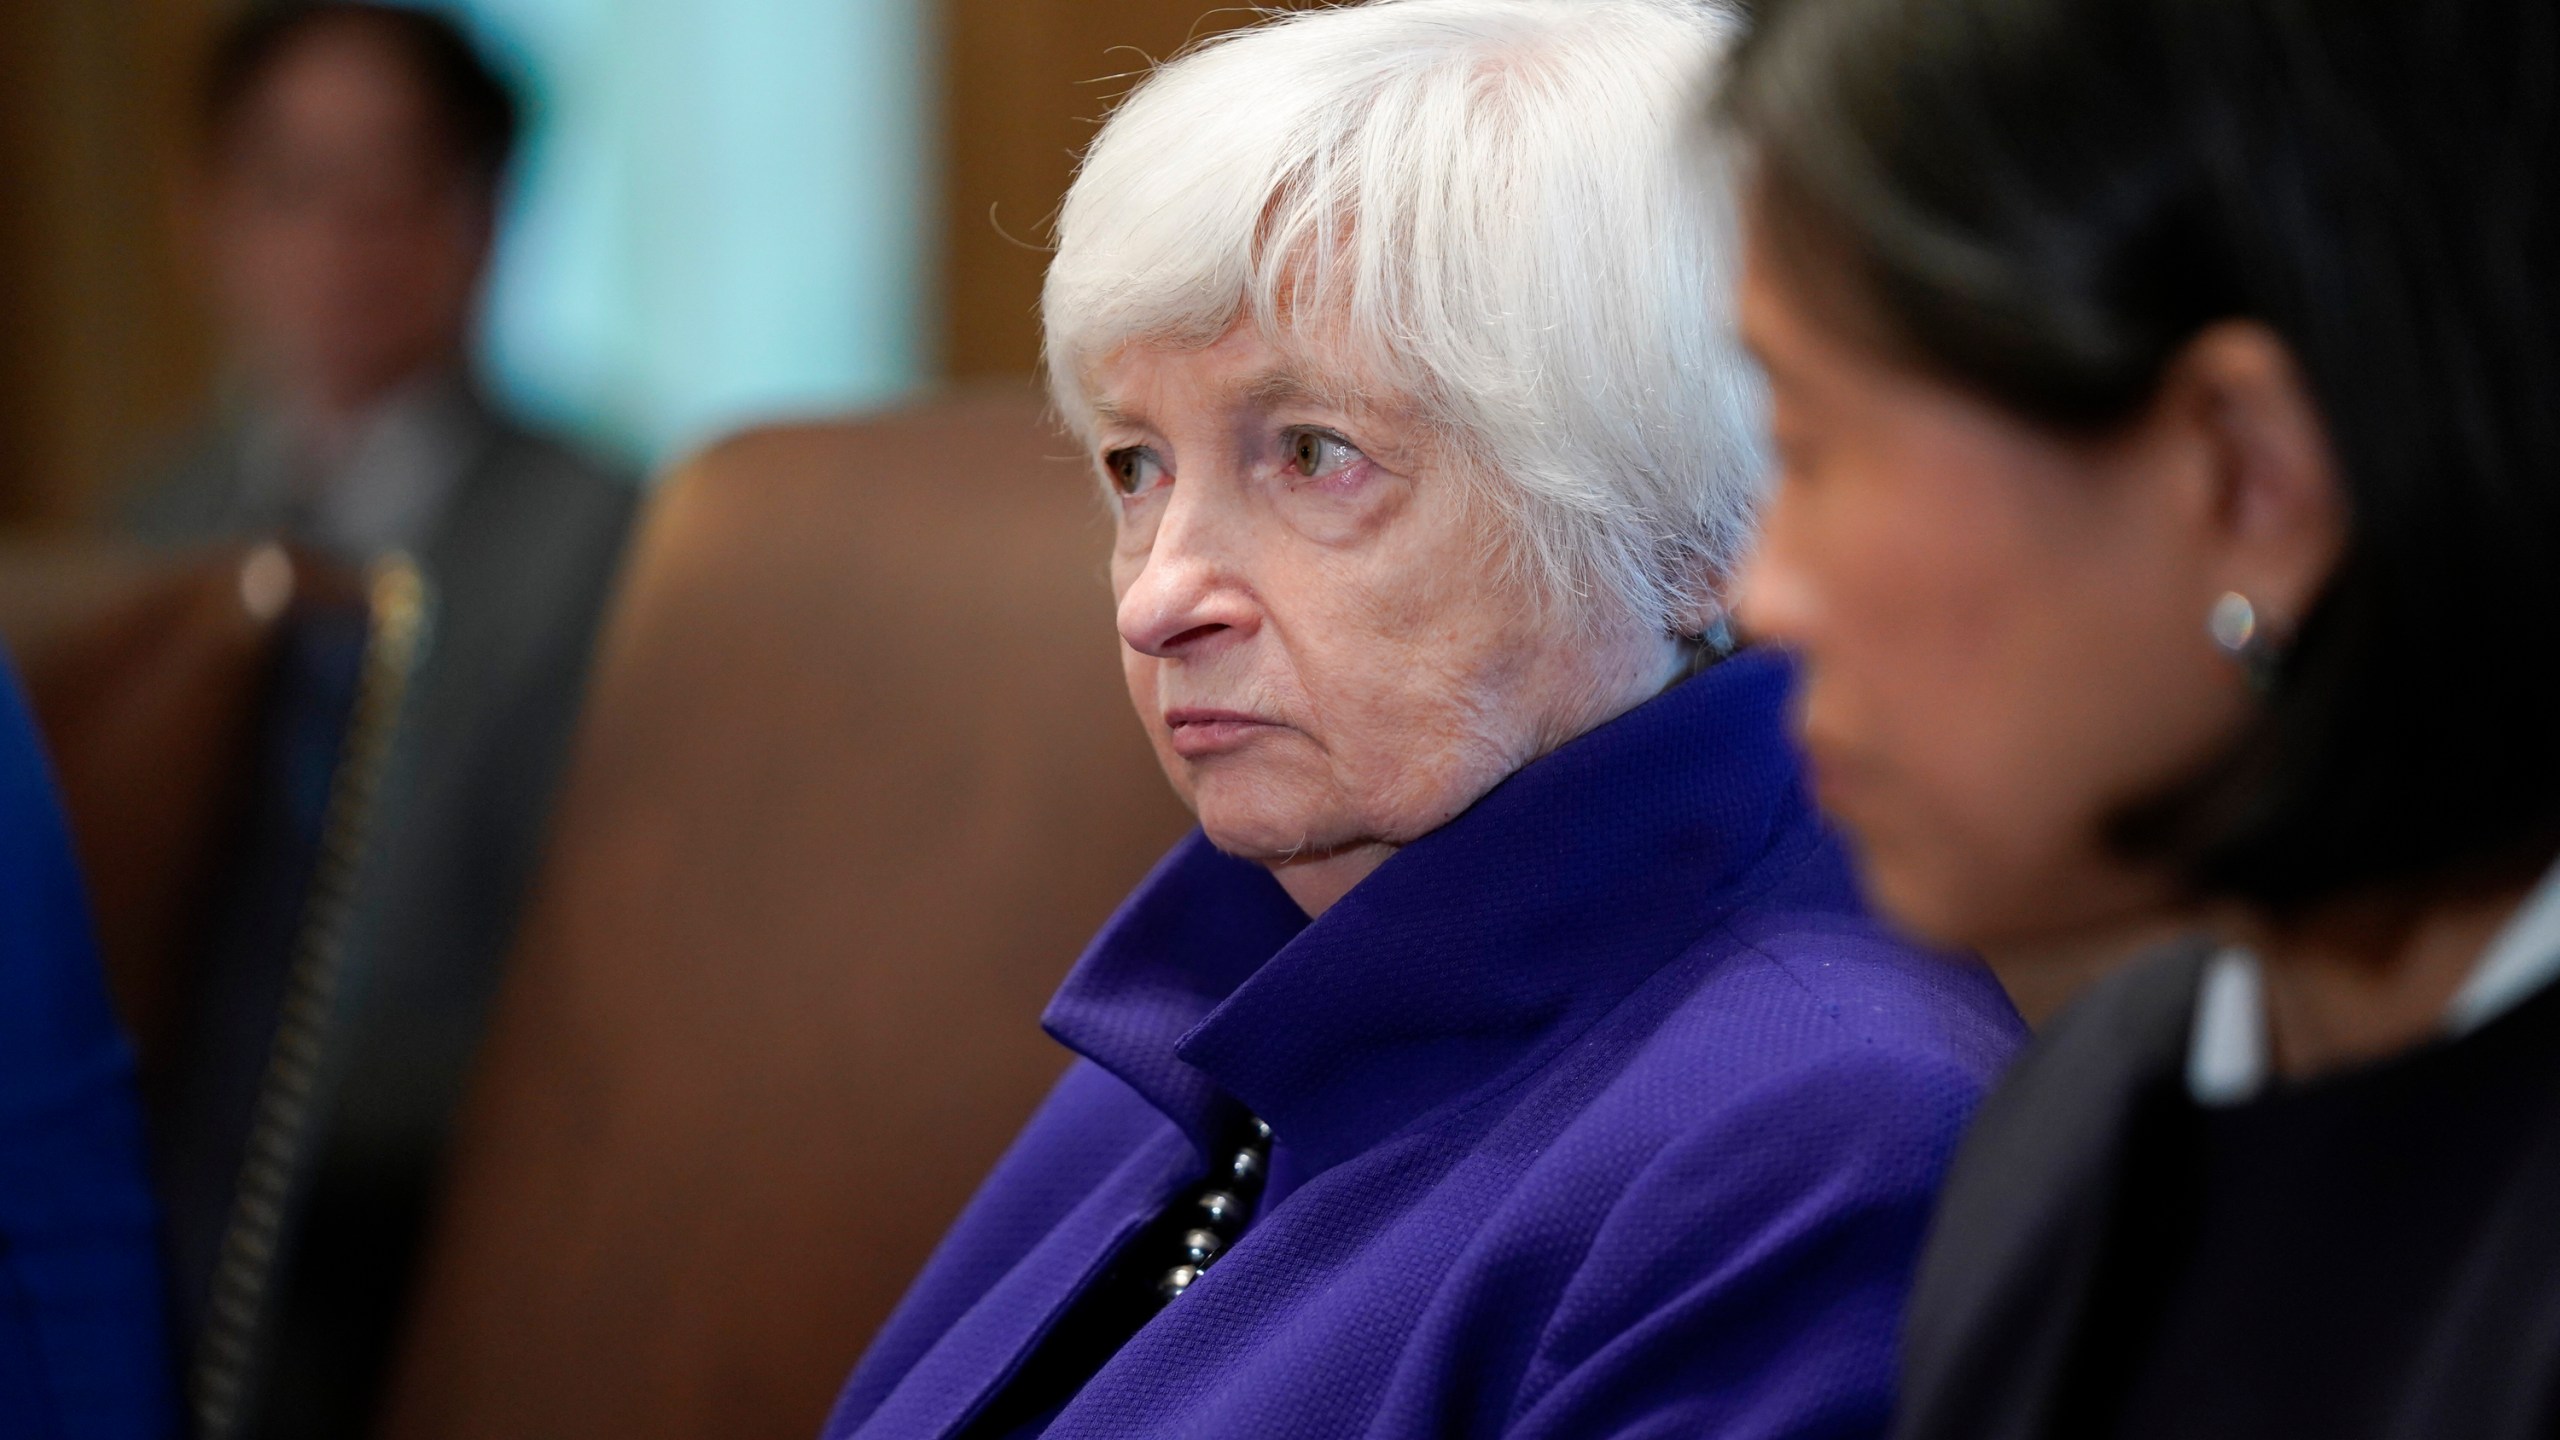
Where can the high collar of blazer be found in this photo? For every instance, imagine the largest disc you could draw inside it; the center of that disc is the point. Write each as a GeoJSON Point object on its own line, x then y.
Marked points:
{"type": "Point", "coordinates": [1473, 954]}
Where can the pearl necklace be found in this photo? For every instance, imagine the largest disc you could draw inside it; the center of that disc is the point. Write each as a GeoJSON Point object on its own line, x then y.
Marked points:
{"type": "Point", "coordinates": [1224, 1206]}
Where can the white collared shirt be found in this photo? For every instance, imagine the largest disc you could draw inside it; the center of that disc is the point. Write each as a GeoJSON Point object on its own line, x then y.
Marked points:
{"type": "Point", "coordinates": [389, 491]}
{"type": "Point", "coordinates": [2227, 1055]}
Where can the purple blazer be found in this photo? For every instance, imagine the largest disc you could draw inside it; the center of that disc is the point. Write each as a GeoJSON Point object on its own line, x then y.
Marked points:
{"type": "Point", "coordinates": [1603, 1110]}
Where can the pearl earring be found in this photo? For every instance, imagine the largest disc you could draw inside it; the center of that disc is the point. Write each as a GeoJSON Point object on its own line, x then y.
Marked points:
{"type": "Point", "coordinates": [2233, 624]}
{"type": "Point", "coordinates": [2237, 633]}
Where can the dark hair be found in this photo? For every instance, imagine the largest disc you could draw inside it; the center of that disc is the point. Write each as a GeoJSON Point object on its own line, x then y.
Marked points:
{"type": "Point", "coordinates": [2046, 200]}
{"type": "Point", "coordinates": [479, 112]}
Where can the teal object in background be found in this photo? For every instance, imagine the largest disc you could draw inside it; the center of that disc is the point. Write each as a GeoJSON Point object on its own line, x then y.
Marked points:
{"type": "Point", "coordinates": [720, 216]}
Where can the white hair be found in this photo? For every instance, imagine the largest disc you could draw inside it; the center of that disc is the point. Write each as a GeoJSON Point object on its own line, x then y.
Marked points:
{"type": "Point", "coordinates": [1510, 212]}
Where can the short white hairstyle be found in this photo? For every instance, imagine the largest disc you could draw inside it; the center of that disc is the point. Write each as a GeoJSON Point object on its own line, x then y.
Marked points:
{"type": "Point", "coordinates": [1513, 213]}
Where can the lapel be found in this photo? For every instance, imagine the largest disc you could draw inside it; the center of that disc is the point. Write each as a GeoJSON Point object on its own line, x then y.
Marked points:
{"type": "Point", "coordinates": [1438, 980]}
{"type": "Point", "coordinates": [2013, 1253]}
{"type": "Point", "coordinates": [2491, 1367]}
{"type": "Point", "coordinates": [990, 1342]}
{"type": "Point", "coordinates": [228, 487]}
{"type": "Point", "coordinates": [465, 523]}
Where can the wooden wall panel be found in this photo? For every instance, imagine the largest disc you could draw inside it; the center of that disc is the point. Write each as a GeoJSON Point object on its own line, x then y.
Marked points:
{"type": "Point", "coordinates": [102, 347]}
{"type": "Point", "coordinates": [1025, 82]}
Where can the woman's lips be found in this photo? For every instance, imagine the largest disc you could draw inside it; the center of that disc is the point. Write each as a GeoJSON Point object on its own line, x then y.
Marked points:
{"type": "Point", "coordinates": [1198, 734]}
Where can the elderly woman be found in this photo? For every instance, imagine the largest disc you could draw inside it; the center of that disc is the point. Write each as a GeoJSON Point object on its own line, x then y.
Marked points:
{"type": "Point", "coordinates": [2168, 397]}
{"type": "Point", "coordinates": [1508, 1054]}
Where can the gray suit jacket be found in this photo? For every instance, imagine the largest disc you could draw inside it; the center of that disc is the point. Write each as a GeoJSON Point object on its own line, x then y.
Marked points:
{"type": "Point", "coordinates": [520, 550]}
{"type": "Point", "coordinates": [2007, 1276]}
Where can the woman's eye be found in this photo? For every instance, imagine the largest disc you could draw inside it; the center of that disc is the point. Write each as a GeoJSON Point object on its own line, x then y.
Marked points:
{"type": "Point", "coordinates": [1315, 454]}
{"type": "Point", "coordinates": [1133, 471]}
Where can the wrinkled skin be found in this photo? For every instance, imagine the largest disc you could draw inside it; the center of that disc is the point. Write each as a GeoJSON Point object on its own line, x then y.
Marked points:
{"type": "Point", "coordinates": [1325, 635]}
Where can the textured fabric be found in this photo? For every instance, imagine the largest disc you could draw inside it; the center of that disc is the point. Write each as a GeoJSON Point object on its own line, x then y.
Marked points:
{"type": "Point", "coordinates": [2370, 1254]}
{"type": "Point", "coordinates": [83, 1355]}
{"type": "Point", "coordinates": [1600, 1111]}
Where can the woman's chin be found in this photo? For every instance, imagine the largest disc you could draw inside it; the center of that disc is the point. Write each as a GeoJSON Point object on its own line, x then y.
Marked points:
{"type": "Point", "coordinates": [1994, 907]}
{"type": "Point", "coordinates": [1251, 826]}
{"type": "Point", "coordinates": [1262, 839]}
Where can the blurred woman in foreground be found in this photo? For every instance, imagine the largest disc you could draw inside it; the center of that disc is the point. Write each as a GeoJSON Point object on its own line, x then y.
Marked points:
{"type": "Point", "coordinates": [2168, 401]}
{"type": "Point", "coordinates": [1397, 336]}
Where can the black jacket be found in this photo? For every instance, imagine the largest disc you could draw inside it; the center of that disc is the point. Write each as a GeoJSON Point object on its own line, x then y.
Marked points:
{"type": "Point", "coordinates": [2006, 1283]}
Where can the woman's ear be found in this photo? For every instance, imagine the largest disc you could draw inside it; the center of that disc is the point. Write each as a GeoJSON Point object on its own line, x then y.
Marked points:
{"type": "Point", "coordinates": [2273, 500]}
{"type": "Point", "coordinates": [1705, 614]}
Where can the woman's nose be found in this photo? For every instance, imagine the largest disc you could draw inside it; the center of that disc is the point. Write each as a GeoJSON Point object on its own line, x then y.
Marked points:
{"type": "Point", "coordinates": [1187, 596]}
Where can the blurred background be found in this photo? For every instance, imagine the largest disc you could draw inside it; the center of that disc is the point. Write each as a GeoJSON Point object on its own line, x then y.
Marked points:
{"type": "Point", "coordinates": [724, 210]}
{"type": "Point", "coordinates": [578, 666]}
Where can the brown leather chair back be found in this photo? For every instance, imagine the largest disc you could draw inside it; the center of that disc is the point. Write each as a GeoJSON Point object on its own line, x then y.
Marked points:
{"type": "Point", "coordinates": [858, 780]}
{"type": "Point", "coordinates": [145, 671]}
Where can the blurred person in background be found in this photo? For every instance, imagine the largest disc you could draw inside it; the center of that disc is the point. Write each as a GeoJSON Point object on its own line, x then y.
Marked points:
{"type": "Point", "coordinates": [351, 181]}
{"type": "Point", "coordinates": [83, 1343]}
{"type": "Point", "coordinates": [1507, 1053]}
{"type": "Point", "coordinates": [2169, 527]}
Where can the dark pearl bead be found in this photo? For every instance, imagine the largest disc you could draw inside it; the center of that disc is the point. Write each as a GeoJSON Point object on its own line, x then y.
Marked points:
{"type": "Point", "coordinates": [1223, 1213]}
